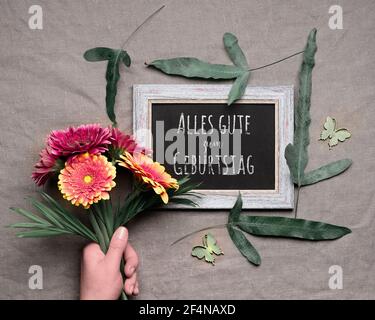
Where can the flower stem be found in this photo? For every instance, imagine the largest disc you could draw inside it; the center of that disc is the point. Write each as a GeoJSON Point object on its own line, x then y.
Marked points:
{"type": "Point", "coordinates": [297, 201]}
{"type": "Point", "coordinates": [97, 231]}
{"type": "Point", "coordinates": [104, 238]}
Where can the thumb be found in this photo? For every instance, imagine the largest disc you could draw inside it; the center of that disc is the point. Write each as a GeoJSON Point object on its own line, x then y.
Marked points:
{"type": "Point", "coordinates": [117, 247]}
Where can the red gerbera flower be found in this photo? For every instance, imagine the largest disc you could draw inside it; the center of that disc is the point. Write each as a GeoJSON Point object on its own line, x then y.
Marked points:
{"type": "Point", "coordinates": [122, 143]}
{"type": "Point", "coordinates": [90, 138]}
{"type": "Point", "coordinates": [47, 165]}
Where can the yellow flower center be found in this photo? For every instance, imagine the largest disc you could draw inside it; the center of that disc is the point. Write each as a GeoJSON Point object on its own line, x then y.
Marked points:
{"type": "Point", "coordinates": [87, 179]}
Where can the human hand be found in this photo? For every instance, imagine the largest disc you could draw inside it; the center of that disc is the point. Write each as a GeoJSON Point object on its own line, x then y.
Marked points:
{"type": "Point", "coordinates": [101, 278]}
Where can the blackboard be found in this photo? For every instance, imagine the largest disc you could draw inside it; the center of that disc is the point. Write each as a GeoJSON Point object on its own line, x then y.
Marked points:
{"type": "Point", "coordinates": [235, 148]}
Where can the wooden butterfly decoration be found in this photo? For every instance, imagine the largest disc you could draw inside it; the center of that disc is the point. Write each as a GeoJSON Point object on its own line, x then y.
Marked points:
{"type": "Point", "coordinates": [208, 249]}
{"type": "Point", "coordinates": [334, 135]}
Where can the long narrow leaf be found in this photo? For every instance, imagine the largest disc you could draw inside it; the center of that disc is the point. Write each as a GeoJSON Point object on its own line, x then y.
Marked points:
{"type": "Point", "coordinates": [28, 225]}
{"type": "Point", "coordinates": [30, 216]}
{"type": "Point", "coordinates": [296, 154]}
{"type": "Point", "coordinates": [235, 212]}
{"type": "Point", "coordinates": [291, 228]}
{"type": "Point", "coordinates": [114, 57]}
{"type": "Point", "coordinates": [326, 172]}
{"type": "Point", "coordinates": [41, 233]}
{"type": "Point", "coordinates": [238, 88]}
{"type": "Point", "coordinates": [244, 246]}
{"type": "Point", "coordinates": [234, 50]}
{"type": "Point", "coordinates": [73, 221]}
{"type": "Point", "coordinates": [48, 213]}
{"type": "Point", "coordinates": [195, 68]}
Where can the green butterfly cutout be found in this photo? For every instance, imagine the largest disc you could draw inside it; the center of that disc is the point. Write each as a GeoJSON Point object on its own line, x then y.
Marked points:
{"type": "Point", "coordinates": [334, 135]}
{"type": "Point", "coordinates": [209, 247]}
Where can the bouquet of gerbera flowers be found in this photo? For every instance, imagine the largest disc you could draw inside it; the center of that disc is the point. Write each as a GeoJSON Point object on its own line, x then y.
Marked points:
{"type": "Point", "coordinates": [84, 161]}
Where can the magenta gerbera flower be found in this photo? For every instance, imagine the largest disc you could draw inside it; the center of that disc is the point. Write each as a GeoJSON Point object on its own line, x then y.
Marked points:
{"type": "Point", "coordinates": [90, 138]}
{"type": "Point", "coordinates": [47, 165]}
{"type": "Point", "coordinates": [122, 143]}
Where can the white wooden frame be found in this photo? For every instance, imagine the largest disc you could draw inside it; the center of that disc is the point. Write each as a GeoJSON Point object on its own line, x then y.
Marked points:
{"type": "Point", "coordinates": [283, 196]}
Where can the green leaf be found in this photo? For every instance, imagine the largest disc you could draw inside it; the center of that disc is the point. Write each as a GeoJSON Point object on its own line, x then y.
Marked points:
{"type": "Point", "coordinates": [75, 224]}
{"type": "Point", "coordinates": [238, 238]}
{"type": "Point", "coordinates": [50, 214]}
{"type": "Point", "coordinates": [30, 216]}
{"type": "Point", "coordinates": [238, 87]}
{"type": "Point", "coordinates": [326, 172]}
{"type": "Point", "coordinates": [98, 54]}
{"type": "Point", "coordinates": [291, 228]}
{"type": "Point", "coordinates": [234, 51]}
{"type": "Point", "coordinates": [235, 212]}
{"type": "Point", "coordinates": [296, 154]}
{"type": "Point", "coordinates": [28, 225]}
{"type": "Point", "coordinates": [58, 219]}
{"type": "Point", "coordinates": [195, 68]}
{"type": "Point", "coordinates": [244, 246]}
{"type": "Point", "coordinates": [114, 57]}
{"type": "Point", "coordinates": [42, 233]}
{"type": "Point", "coordinates": [126, 59]}
{"type": "Point", "coordinates": [184, 201]}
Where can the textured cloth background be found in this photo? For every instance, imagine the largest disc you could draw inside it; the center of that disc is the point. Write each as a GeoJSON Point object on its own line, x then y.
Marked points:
{"type": "Point", "coordinates": [46, 84]}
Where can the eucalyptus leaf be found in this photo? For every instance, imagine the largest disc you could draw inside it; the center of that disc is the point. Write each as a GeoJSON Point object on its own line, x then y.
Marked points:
{"type": "Point", "coordinates": [244, 246]}
{"type": "Point", "coordinates": [234, 51]}
{"type": "Point", "coordinates": [235, 212]}
{"type": "Point", "coordinates": [290, 228]}
{"type": "Point", "coordinates": [296, 154]}
{"type": "Point", "coordinates": [238, 88]}
{"type": "Point", "coordinates": [326, 172]}
{"type": "Point", "coordinates": [195, 68]}
{"type": "Point", "coordinates": [114, 57]}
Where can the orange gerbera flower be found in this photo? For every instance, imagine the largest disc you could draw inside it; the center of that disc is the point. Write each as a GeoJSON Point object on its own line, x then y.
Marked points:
{"type": "Point", "coordinates": [151, 173]}
{"type": "Point", "coordinates": [86, 179]}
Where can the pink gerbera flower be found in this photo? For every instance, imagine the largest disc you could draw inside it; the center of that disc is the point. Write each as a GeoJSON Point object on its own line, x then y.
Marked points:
{"type": "Point", "coordinates": [122, 143]}
{"type": "Point", "coordinates": [90, 138]}
{"type": "Point", "coordinates": [47, 165]}
{"type": "Point", "coordinates": [86, 179]}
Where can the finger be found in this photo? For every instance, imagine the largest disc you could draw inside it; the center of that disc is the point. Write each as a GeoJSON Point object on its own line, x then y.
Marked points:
{"type": "Point", "coordinates": [131, 261]}
{"type": "Point", "coordinates": [116, 248]}
{"type": "Point", "coordinates": [129, 284]}
{"type": "Point", "coordinates": [136, 289]}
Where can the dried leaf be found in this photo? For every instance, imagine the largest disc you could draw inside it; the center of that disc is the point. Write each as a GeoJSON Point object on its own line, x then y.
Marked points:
{"type": "Point", "coordinates": [235, 212]}
{"type": "Point", "coordinates": [326, 172]}
{"type": "Point", "coordinates": [291, 228]}
{"type": "Point", "coordinates": [195, 68]}
{"type": "Point", "coordinates": [244, 246]}
{"type": "Point", "coordinates": [238, 88]}
{"type": "Point", "coordinates": [234, 51]}
{"type": "Point", "coordinates": [296, 154]}
{"type": "Point", "coordinates": [114, 57]}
